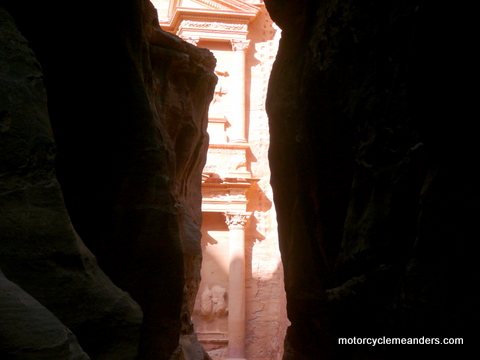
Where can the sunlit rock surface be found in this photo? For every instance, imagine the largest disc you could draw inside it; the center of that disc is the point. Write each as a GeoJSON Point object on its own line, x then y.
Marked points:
{"type": "Point", "coordinates": [374, 172]}
{"type": "Point", "coordinates": [127, 104]}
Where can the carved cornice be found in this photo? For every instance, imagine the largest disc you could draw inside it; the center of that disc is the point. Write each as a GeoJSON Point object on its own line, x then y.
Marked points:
{"type": "Point", "coordinates": [228, 195]}
{"type": "Point", "coordinates": [236, 220]}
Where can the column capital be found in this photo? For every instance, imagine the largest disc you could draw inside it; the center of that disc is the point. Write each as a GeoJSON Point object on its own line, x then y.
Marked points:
{"type": "Point", "coordinates": [191, 39]}
{"type": "Point", "coordinates": [240, 45]}
{"type": "Point", "coordinates": [236, 220]}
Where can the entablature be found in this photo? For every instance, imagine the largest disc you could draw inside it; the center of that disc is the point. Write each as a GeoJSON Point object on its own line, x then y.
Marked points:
{"type": "Point", "coordinates": [217, 20]}
{"type": "Point", "coordinates": [225, 194]}
{"type": "Point", "coordinates": [228, 160]}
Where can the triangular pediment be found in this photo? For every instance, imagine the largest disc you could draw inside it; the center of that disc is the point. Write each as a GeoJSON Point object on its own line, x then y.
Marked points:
{"type": "Point", "coordinates": [213, 19]}
{"type": "Point", "coordinates": [225, 5]}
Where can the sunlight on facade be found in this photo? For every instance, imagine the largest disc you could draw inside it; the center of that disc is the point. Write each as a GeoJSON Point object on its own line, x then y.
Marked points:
{"type": "Point", "coordinates": [240, 310]}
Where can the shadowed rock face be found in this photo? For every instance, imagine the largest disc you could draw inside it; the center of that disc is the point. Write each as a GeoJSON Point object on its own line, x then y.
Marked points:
{"type": "Point", "coordinates": [373, 162]}
{"type": "Point", "coordinates": [127, 105]}
{"type": "Point", "coordinates": [40, 251]}
{"type": "Point", "coordinates": [374, 175]}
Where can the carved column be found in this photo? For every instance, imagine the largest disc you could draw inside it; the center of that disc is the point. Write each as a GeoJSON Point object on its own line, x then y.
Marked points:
{"type": "Point", "coordinates": [237, 116]}
{"type": "Point", "coordinates": [236, 283]}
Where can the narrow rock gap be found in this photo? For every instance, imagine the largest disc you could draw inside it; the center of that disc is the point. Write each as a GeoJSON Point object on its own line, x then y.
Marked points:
{"type": "Point", "coordinates": [104, 175]}
{"type": "Point", "coordinates": [240, 309]}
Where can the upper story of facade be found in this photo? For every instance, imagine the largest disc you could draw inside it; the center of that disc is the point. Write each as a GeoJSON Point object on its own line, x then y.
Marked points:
{"type": "Point", "coordinates": [244, 40]}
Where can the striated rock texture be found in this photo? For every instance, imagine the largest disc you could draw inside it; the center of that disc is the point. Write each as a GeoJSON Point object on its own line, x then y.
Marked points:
{"type": "Point", "coordinates": [375, 176]}
{"type": "Point", "coordinates": [127, 104]}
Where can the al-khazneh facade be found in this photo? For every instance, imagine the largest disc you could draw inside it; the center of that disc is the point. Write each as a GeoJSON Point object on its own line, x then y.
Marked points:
{"type": "Point", "coordinates": [240, 310]}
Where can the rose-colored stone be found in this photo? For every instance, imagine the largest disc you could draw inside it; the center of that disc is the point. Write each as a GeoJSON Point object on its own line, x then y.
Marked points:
{"type": "Point", "coordinates": [241, 256]}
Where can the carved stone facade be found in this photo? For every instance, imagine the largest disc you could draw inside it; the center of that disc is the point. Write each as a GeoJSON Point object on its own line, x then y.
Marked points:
{"type": "Point", "coordinates": [236, 220]}
{"type": "Point", "coordinates": [240, 45]}
{"type": "Point", "coordinates": [240, 310]}
{"type": "Point", "coordinates": [213, 25]}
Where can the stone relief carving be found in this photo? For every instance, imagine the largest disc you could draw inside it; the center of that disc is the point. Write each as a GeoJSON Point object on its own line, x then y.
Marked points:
{"type": "Point", "coordinates": [210, 168]}
{"type": "Point", "coordinates": [240, 45]}
{"type": "Point", "coordinates": [220, 89]}
{"type": "Point", "coordinates": [236, 221]}
{"type": "Point", "coordinates": [213, 303]}
{"type": "Point", "coordinates": [213, 25]}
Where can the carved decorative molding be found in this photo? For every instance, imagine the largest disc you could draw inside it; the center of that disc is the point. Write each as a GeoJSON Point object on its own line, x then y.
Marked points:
{"type": "Point", "coordinates": [213, 25]}
{"type": "Point", "coordinates": [236, 220]}
{"type": "Point", "coordinates": [217, 196]}
{"type": "Point", "coordinates": [234, 5]}
{"type": "Point", "coordinates": [210, 168]}
{"type": "Point", "coordinates": [214, 4]}
{"type": "Point", "coordinates": [240, 45]}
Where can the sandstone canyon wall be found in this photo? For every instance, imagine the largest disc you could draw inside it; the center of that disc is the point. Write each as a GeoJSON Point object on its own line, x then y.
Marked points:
{"type": "Point", "coordinates": [375, 176]}
{"type": "Point", "coordinates": [373, 158]}
{"type": "Point", "coordinates": [124, 131]}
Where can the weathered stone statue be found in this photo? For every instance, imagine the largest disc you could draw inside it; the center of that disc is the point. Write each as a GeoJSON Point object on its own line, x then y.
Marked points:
{"type": "Point", "coordinates": [213, 303]}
